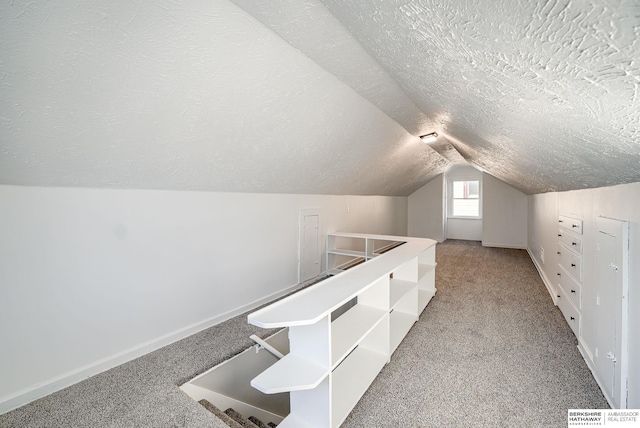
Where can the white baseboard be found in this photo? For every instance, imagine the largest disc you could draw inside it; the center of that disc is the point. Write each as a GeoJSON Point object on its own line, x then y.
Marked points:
{"type": "Point", "coordinates": [550, 288]}
{"type": "Point", "coordinates": [27, 395]}
{"type": "Point", "coordinates": [586, 355]}
{"type": "Point", "coordinates": [494, 245]}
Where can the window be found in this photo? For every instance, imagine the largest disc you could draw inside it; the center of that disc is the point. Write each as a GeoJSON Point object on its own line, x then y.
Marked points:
{"type": "Point", "coordinates": [466, 198]}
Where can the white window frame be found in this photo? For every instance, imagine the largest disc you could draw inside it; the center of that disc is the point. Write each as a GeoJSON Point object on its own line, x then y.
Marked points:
{"type": "Point", "coordinates": [450, 181]}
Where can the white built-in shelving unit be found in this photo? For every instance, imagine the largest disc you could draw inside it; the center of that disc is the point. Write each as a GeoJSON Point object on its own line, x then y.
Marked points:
{"type": "Point", "coordinates": [333, 360]}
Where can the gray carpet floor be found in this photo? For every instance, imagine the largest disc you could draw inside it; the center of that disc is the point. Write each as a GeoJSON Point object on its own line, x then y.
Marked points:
{"type": "Point", "coordinates": [490, 350]}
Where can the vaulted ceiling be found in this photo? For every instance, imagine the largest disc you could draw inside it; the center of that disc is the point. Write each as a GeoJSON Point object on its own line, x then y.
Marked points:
{"type": "Point", "coordinates": [318, 96]}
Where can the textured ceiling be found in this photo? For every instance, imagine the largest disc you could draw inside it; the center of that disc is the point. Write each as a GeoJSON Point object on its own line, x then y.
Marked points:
{"type": "Point", "coordinates": [318, 96]}
{"type": "Point", "coordinates": [544, 95]}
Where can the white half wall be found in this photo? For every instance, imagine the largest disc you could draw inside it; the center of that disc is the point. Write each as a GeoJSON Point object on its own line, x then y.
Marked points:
{"type": "Point", "coordinates": [426, 210]}
{"type": "Point", "coordinates": [93, 278]}
{"type": "Point", "coordinates": [504, 214]}
{"type": "Point", "coordinates": [620, 202]}
{"type": "Point", "coordinates": [463, 228]}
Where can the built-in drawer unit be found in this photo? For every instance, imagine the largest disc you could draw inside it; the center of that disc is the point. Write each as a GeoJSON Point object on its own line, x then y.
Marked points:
{"type": "Point", "coordinates": [570, 223]}
{"type": "Point", "coordinates": [569, 271]}
{"type": "Point", "coordinates": [570, 261]}
{"type": "Point", "coordinates": [570, 287]}
{"type": "Point", "coordinates": [570, 240]}
{"type": "Point", "coordinates": [571, 314]}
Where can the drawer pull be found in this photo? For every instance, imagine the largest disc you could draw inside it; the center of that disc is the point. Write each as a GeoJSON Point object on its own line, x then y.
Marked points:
{"type": "Point", "coordinates": [573, 265]}
{"type": "Point", "coordinates": [560, 221]}
{"type": "Point", "coordinates": [574, 225]}
{"type": "Point", "coordinates": [573, 291]}
{"type": "Point", "coordinates": [572, 319]}
{"type": "Point", "coordinates": [558, 252]}
{"type": "Point", "coordinates": [558, 296]}
{"type": "Point", "coordinates": [559, 235]}
{"type": "Point", "coordinates": [559, 274]}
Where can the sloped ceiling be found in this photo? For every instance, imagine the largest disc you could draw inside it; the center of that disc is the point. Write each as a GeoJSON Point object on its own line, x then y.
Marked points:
{"type": "Point", "coordinates": [318, 97]}
{"type": "Point", "coordinates": [544, 95]}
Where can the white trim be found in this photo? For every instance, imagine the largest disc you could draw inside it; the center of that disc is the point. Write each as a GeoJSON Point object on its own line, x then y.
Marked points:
{"type": "Point", "coordinates": [494, 245]}
{"type": "Point", "coordinates": [27, 395]}
{"type": "Point", "coordinates": [550, 288]}
{"type": "Point", "coordinates": [449, 192]}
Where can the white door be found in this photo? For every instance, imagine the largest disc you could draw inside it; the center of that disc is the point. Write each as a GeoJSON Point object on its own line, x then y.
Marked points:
{"type": "Point", "coordinates": [309, 246]}
{"type": "Point", "coordinates": [611, 316]}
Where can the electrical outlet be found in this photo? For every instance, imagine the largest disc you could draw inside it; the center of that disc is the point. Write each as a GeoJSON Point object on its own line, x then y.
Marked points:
{"type": "Point", "coordinates": [542, 255]}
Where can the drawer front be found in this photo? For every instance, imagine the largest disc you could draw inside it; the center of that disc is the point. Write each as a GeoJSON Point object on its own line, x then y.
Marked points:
{"type": "Point", "coordinates": [571, 288]}
{"type": "Point", "coordinates": [570, 261]}
{"type": "Point", "coordinates": [571, 314]}
{"type": "Point", "coordinates": [570, 240]}
{"type": "Point", "coordinates": [570, 223]}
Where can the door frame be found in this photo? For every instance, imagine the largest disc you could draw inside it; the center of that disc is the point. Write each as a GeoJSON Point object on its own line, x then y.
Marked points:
{"type": "Point", "coordinates": [620, 230]}
{"type": "Point", "coordinates": [301, 216]}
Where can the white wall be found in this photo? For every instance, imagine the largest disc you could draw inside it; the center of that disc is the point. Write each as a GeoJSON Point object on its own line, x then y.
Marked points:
{"type": "Point", "coordinates": [426, 210]}
{"type": "Point", "coordinates": [92, 278]}
{"type": "Point", "coordinates": [463, 228]}
{"type": "Point", "coordinates": [621, 202]}
{"type": "Point", "coordinates": [504, 214]}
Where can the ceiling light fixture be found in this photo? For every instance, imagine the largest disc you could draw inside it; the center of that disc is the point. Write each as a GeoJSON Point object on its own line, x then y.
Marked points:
{"type": "Point", "coordinates": [429, 138]}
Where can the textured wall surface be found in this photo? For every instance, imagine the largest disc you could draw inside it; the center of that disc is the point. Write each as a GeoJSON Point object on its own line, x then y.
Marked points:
{"type": "Point", "coordinates": [196, 96]}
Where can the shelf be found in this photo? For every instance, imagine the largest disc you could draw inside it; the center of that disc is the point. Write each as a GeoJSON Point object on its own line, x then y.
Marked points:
{"type": "Point", "coordinates": [311, 304]}
{"type": "Point", "coordinates": [398, 289]}
{"type": "Point", "coordinates": [401, 323]}
{"type": "Point", "coordinates": [425, 268]}
{"type": "Point", "coordinates": [389, 290]}
{"type": "Point", "coordinates": [351, 327]}
{"type": "Point", "coordinates": [387, 247]}
{"type": "Point", "coordinates": [352, 378]}
{"type": "Point", "coordinates": [291, 373]}
{"type": "Point", "coordinates": [350, 253]}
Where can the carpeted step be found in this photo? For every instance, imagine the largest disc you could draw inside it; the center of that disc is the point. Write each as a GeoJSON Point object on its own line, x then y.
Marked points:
{"type": "Point", "coordinates": [237, 417]}
{"type": "Point", "coordinates": [220, 414]}
{"type": "Point", "coordinates": [257, 422]}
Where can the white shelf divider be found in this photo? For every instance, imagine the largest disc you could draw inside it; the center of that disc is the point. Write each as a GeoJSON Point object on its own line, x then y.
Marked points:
{"type": "Point", "coordinates": [401, 323]}
{"type": "Point", "coordinates": [351, 328]}
{"type": "Point", "coordinates": [398, 289]}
